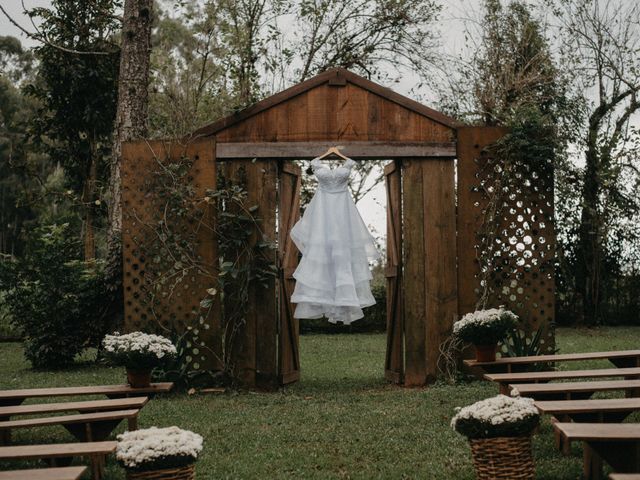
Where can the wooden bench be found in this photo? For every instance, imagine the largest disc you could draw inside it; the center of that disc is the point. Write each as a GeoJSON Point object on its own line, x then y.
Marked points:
{"type": "Point", "coordinates": [624, 476]}
{"type": "Point", "coordinates": [86, 427]}
{"type": "Point", "coordinates": [505, 379]}
{"type": "Point", "coordinates": [616, 443]}
{"type": "Point", "coordinates": [573, 390]}
{"type": "Point", "coordinates": [16, 397]}
{"type": "Point", "coordinates": [62, 453]}
{"type": "Point", "coordinates": [610, 410]}
{"type": "Point", "coordinates": [60, 473]}
{"type": "Point", "coordinates": [84, 406]}
{"type": "Point", "coordinates": [621, 359]}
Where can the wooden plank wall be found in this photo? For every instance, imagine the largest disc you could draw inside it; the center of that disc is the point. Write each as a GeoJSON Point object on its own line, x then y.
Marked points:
{"type": "Point", "coordinates": [394, 359]}
{"type": "Point", "coordinates": [337, 112]}
{"type": "Point", "coordinates": [255, 348]}
{"type": "Point", "coordinates": [289, 326]}
{"type": "Point", "coordinates": [523, 280]}
{"type": "Point", "coordinates": [429, 277]}
{"type": "Point", "coordinates": [141, 211]}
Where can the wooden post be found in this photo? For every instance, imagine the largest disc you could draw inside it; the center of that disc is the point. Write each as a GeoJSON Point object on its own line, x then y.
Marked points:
{"type": "Point", "coordinates": [430, 277]}
{"type": "Point", "coordinates": [413, 278]}
{"type": "Point", "coordinates": [441, 290]}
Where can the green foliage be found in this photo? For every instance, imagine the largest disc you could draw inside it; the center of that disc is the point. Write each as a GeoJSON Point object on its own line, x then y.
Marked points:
{"type": "Point", "coordinates": [341, 396]}
{"type": "Point", "coordinates": [180, 371]}
{"type": "Point", "coordinates": [375, 317]}
{"type": "Point", "coordinates": [53, 298]}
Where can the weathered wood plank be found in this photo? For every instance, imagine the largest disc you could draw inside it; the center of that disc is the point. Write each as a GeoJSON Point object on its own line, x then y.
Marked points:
{"type": "Point", "coordinates": [288, 331]}
{"type": "Point", "coordinates": [59, 473]}
{"type": "Point", "coordinates": [357, 150]}
{"type": "Point", "coordinates": [440, 256]}
{"type": "Point", "coordinates": [265, 188]}
{"type": "Point", "coordinates": [414, 273]}
{"type": "Point", "coordinates": [394, 360]}
{"type": "Point", "coordinates": [346, 78]}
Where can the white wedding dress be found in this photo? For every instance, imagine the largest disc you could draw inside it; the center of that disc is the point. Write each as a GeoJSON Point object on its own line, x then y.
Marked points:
{"type": "Point", "coordinates": [333, 277]}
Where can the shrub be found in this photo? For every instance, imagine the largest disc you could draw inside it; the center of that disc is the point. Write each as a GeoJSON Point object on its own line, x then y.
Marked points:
{"type": "Point", "coordinates": [499, 416]}
{"type": "Point", "coordinates": [485, 327]}
{"type": "Point", "coordinates": [54, 299]}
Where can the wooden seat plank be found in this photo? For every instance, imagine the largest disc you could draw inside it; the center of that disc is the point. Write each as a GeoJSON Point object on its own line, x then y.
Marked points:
{"type": "Point", "coordinates": [96, 451]}
{"type": "Point", "coordinates": [572, 390]}
{"type": "Point", "coordinates": [60, 473]}
{"type": "Point", "coordinates": [56, 450]}
{"type": "Point", "coordinates": [616, 443]}
{"type": "Point", "coordinates": [601, 432]}
{"type": "Point", "coordinates": [64, 419]}
{"type": "Point", "coordinates": [526, 377]}
{"type": "Point", "coordinates": [109, 390]}
{"type": "Point", "coordinates": [566, 357]}
{"type": "Point", "coordinates": [560, 407]}
{"type": "Point", "coordinates": [89, 405]}
{"type": "Point", "coordinates": [504, 379]}
{"type": "Point", "coordinates": [624, 476]}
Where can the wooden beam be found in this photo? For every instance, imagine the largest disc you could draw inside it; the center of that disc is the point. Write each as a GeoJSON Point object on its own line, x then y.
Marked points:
{"type": "Point", "coordinates": [355, 150]}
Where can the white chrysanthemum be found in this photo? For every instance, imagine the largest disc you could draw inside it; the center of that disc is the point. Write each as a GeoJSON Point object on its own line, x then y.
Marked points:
{"type": "Point", "coordinates": [498, 410]}
{"type": "Point", "coordinates": [138, 447]}
{"type": "Point", "coordinates": [482, 318]}
{"type": "Point", "coordinates": [139, 342]}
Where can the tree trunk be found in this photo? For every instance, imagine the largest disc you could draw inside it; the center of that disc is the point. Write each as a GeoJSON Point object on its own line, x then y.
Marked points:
{"type": "Point", "coordinates": [88, 193]}
{"type": "Point", "coordinates": [589, 245]}
{"type": "Point", "coordinates": [131, 120]}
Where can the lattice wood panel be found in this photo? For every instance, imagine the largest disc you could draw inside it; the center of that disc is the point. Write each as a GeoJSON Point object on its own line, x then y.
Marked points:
{"type": "Point", "coordinates": [520, 275]}
{"type": "Point", "coordinates": [164, 282]}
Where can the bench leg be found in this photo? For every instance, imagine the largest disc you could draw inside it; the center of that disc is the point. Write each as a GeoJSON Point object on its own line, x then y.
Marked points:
{"type": "Point", "coordinates": [132, 423]}
{"type": "Point", "coordinates": [93, 431]}
{"type": "Point", "coordinates": [98, 463]}
{"type": "Point", "coordinates": [592, 463]}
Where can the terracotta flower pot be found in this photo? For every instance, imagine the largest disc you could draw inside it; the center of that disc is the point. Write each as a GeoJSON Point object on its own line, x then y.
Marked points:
{"type": "Point", "coordinates": [486, 353]}
{"type": "Point", "coordinates": [139, 378]}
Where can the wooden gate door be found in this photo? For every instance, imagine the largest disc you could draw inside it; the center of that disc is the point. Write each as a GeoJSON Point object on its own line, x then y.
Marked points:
{"type": "Point", "coordinates": [288, 326]}
{"type": "Point", "coordinates": [394, 359]}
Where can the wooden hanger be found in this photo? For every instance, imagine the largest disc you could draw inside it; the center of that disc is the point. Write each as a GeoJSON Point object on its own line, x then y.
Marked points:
{"type": "Point", "coordinates": [334, 151]}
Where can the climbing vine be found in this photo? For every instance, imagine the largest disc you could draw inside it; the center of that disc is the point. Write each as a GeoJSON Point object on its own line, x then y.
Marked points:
{"type": "Point", "coordinates": [181, 221]}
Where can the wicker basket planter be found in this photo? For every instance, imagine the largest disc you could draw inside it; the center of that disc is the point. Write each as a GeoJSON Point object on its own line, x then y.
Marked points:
{"type": "Point", "coordinates": [181, 473]}
{"type": "Point", "coordinates": [503, 458]}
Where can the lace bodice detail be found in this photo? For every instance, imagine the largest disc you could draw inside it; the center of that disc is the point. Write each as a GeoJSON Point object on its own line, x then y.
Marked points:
{"type": "Point", "coordinates": [332, 180]}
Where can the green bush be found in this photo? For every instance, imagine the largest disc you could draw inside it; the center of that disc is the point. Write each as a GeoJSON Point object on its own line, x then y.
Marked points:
{"type": "Point", "coordinates": [53, 298]}
{"type": "Point", "coordinates": [375, 317]}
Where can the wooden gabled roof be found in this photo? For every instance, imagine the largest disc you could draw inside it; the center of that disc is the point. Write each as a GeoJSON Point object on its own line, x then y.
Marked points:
{"type": "Point", "coordinates": [334, 76]}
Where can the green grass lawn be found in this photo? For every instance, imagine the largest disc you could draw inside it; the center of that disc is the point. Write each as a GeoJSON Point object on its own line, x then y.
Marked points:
{"type": "Point", "coordinates": [341, 421]}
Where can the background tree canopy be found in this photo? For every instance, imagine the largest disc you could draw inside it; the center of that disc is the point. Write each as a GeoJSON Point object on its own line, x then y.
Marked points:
{"type": "Point", "coordinates": [574, 75]}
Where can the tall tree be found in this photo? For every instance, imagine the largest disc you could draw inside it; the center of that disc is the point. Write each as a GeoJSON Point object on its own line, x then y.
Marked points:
{"type": "Point", "coordinates": [77, 96]}
{"type": "Point", "coordinates": [15, 110]}
{"type": "Point", "coordinates": [130, 123]}
{"type": "Point", "coordinates": [364, 35]}
{"type": "Point", "coordinates": [601, 47]}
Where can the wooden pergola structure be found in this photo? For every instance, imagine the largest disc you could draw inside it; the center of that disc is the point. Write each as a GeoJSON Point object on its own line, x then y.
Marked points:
{"type": "Point", "coordinates": [434, 211]}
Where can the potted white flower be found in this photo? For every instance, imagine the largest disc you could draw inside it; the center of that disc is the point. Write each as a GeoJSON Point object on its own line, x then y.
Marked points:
{"type": "Point", "coordinates": [139, 353]}
{"type": "Point", "coordinates": [499, 430]}
{"type": "Point", "coordinates": [485, 329]}
{"type": "Point", "coordinates": [159, 453]}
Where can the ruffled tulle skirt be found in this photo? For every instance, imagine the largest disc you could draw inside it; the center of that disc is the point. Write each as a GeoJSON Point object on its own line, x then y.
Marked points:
{"type": "Point", "coordinates": [333, 277]}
